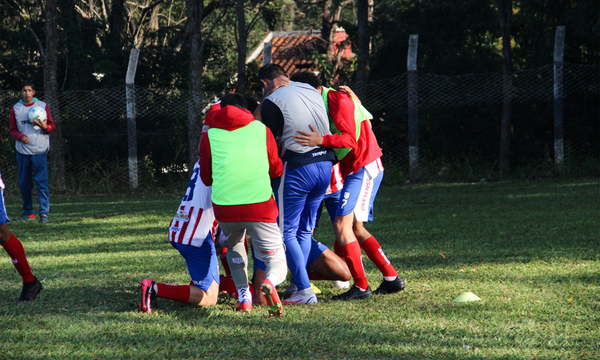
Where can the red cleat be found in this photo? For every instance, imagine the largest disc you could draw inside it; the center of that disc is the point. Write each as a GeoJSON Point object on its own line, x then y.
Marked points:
{"type": "Point", "coordinates": [275, 306]}
{"type": "Point", "coordinates": [148, 296]}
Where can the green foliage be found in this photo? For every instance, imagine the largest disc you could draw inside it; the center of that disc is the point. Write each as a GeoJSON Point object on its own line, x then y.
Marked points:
{"type": "Point", "coordinates": [454, 38]}
{"type": "Point", "coordinates": [535, 25]}
{"type": "Point", "coordinates": [527, 249]}
{"type": "Point", "coordinates": [460, 38]}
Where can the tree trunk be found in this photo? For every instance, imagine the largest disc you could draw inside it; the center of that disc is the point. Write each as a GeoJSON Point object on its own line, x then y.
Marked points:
{"type": "Point", "coordinates": [362, 14]}
{"type": "Point", "coordinates": [328, 27]}
{"type": "Point", "coordinates": [242, 46]}
{"type": "Point", "coordinates": [195, 9]}
{"type": "Point", "coordinates": [57, 157]}
{"type": "Point", "coordinates": [505, 19]}
{"type": "Point", "coordinates": [330, 19]}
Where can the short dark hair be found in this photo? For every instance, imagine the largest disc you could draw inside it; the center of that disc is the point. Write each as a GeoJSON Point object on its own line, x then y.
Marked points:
{"type": "Point", "coordinates": [307, 77]}
{"type": "Point", "coordinates": [252, 103]}
{"type": "Point", "coordinates": [270, 72]}
{"type": "Point", "coordinates": [235, 100]}
{"type": "Point", "coordinates": [26, 83]}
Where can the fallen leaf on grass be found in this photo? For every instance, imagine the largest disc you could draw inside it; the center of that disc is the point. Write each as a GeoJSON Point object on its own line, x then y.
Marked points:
{"type": "Point", "coordinates": [442, 255]}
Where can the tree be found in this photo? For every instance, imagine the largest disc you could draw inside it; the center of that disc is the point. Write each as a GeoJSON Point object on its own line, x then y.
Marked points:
{"type": "Point", "coordinates": [331, 17]}
{"type": "Point", "coordinates": [57, 161]}
{"type": "Point", "coordinates": [197, 13]}
{"type": "Point", "coordinates": [363, 18]}
{"type": "Point", "coordinates": [242, 33]}
{"type": "Point", "coordinates": [505, 10]}
{"type": "Point", "coordinates": [242, 40]}
{"type": "Point", "coordinates": [28, 14]}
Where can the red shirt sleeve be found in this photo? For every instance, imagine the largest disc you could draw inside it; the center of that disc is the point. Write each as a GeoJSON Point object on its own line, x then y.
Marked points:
{"type": "Point", "coordinates": [50, 126]}
{"type": "Point", "coordinates": [205, 160]}
{"type": "Point", "coordinates": [275, 164]}
{"type": "Point", "coordinates": [341, 111]}
{"type": "Point", "coordinates": [14, 129]}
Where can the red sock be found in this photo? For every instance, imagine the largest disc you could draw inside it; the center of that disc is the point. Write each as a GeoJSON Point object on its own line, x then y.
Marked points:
{"type": "Point", "coordinates": [352, 255]}
{"type": "Point", "coordinates": [337, 249]}
{"type": "Point", "coordinates": [173, 292]}
{"type": "Point", "coordinates": [227, 285]}
{"type": "Point", "coordinates": [373, 250]}
{"type": "Point", "coordinates": [15, 250]}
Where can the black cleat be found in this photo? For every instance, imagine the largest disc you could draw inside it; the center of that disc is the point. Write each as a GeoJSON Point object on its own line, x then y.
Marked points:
{"type": "Point", "coordinates": [354, 293]}
{"type": "Point", "coordinates": [390, 287]}
{"type": "Point", "coordinates": [30, 291]}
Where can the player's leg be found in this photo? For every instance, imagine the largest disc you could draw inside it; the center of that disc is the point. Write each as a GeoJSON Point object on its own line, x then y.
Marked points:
{"type": "Point", "coordinates": [258, 277]}
{"type": "Point", "coordinates": [349, 247]}
{"type": "Point", "coordinates": [290, 194]}
{"type": "Point", "coordinates": [316, 176]}
{"type": "Point", "coordinates": [222, 252]}
{"type": "Point", "coordinates": [14, 248]}
{"type": "Point", "coordinates": [324, 264]}
{"type": "Point", "coordinates": [266, 240]}
{"type": "Point", "coordinates": [332, 201]}
{"type": "Point", "coordinates": [40, 176]}
{"type": "Point", "coordinates": [226, 283]}
{"type": "Point", "coordinates": [25, 185]}
{"type": "Point", "coordinates": [237, 258]}
{"type": "Point", "coordinates": [392, 282]}
{"type": "Point", "coordinates": [292, 289]}
{"type": "Point", "coordinates": [203, 267]}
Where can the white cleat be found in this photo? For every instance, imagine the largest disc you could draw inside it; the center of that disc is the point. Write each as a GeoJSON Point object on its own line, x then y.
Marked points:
{"type": "Point", "coordinates": [341, 284]}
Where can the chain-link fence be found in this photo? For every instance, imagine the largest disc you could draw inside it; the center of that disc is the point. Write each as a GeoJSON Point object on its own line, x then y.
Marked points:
{"type": "Point", "coordinates": [459, 129]}
{"type": "Point", "coordinates": [95, 134]}
{"type": "Point", "coordinates": [459, 123]}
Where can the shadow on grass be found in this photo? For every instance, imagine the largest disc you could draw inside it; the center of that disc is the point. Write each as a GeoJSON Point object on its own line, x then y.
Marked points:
{"type": "Point", "coordinates": [180, 331]}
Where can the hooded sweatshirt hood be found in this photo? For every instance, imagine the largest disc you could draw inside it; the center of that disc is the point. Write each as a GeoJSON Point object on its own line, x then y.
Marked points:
{"type": "Point", "coordinates": [231, 117]}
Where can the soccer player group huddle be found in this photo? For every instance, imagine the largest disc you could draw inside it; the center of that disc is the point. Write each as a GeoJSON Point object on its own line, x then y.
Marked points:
{"type": "Point", "coordinates": [264, 174]}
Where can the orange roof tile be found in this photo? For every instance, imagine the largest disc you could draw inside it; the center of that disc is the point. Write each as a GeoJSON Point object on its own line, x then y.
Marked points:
{"type": "Point", "coordinates": [293, 50]}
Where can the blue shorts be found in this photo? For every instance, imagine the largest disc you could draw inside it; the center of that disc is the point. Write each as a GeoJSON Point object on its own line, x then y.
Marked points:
{"type": "Point", "coordinates": [3, 216]}
{"type": "Point", "coordinates": [331, 202]}
{"type": "Point", "coordinates": [358, 195]}
{"type": "Point", "coordinates": [202, 262]}
{"type": "Point", "coordinates": [316, 249]}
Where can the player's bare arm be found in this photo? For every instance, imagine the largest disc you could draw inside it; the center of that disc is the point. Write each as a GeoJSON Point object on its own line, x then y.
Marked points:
{"type": "Point", "coordinates": [309, 138]}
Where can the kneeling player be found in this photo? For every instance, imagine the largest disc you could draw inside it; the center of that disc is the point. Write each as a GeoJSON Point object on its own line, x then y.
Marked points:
{"type": "Point", "coordinates": [191, 233]}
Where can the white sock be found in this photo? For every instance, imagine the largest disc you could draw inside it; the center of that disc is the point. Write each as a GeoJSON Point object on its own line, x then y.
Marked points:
{"type": "Point", "coordinates": [273, 278]}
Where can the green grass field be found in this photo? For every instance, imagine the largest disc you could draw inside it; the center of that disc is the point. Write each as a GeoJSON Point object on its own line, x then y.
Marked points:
{"type": "Point", "coordinates": [529, 250]}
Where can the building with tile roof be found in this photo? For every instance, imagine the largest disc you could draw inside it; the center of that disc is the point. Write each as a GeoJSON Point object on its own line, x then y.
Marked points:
{"type": "Point", "coordinates": [293, 50]}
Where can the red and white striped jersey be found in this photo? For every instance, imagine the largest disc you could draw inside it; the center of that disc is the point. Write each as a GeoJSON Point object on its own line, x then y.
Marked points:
{"type": "Point", "coordinates": [195, 218]}
{"type": "Point", "coordinates": [336, 182]}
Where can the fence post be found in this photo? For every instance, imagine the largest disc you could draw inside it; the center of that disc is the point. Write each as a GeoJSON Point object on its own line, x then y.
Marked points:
{"type": "Point", "coordinates": [267, 53]}
{"type": "Point", "coordinates": [131, 120]}
{"type": "Point", "coordinates": [413, 112]}
{"type": "Point", "coordinates": [559, 141]}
